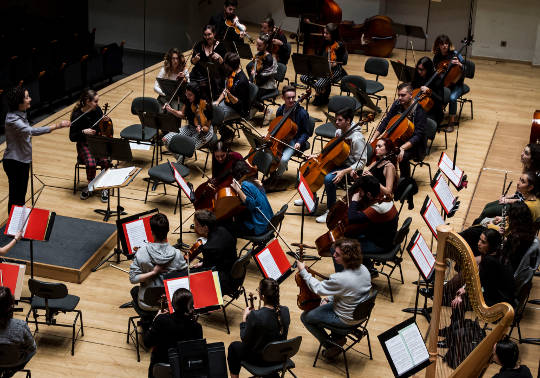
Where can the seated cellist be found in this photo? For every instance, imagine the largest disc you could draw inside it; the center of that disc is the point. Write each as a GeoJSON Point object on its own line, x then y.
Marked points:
{"type": "Point", "coordinates": [416, 146]}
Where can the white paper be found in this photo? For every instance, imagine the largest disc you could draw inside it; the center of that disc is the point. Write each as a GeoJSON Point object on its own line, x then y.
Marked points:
{"type": "Point", "coordinates": [407, 349]}
{"type": "Point", "coordinates": [112, 177]}
{"type": "Point", "coordinates": [444, 194]}
{"type": "Point", "coordinates": [139, 146]}
{"type": "Point", "coordinates": [180, 180]}
{"type": "Point", "coordinates": [399, 354]}
{"type": "Point", "coordinates": [268, 263]}
{"type": "Point", "coordinates": [423, 256]}
{"type": "Point", "coordinates": [136, 234]}
{"type": "Point", "coordinates": [20, 280]}
{"type": "Point", "coordinates": [310, 204]}
{"type": "Point", "coordinates": [454, 175]}
{"type": "Point", "coordinates": [415, 344]}
{"type": "Point", "coordinates": [19, 218]}
{"type": "Point", "coordinates": [433, 217]}
{"type": "Point", "coordinates": [175, 284]}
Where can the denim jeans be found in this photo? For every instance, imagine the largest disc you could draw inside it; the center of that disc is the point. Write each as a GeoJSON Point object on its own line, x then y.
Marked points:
{"type": "Point", "coordinates": [228, 112]}
{"type": "Point", "coordinates": [316, 319]}
{"type": "Point", "coordinates": [331, 188]}
{"type": "Point", "coordinates": [454, 95]}
{"type": "Point", "coordinates": [285, 157]}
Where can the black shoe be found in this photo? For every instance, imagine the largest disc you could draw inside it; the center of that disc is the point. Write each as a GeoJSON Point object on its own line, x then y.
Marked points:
{"type": "Point", "coordinates": [427, 292]}
{"type": "Point", "coordinates": [85, 194]}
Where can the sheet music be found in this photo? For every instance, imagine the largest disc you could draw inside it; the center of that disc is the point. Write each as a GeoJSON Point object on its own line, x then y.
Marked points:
{"type": "Point", "coordinates": [18, 217]}
{"type": "Point", "coordinates": [173, 285]}
{"type": "Point", "coordinates": [267, 261]}
{"type": "Point", "coordinates": [139, 146]}
{"type": "Point", "coordinates": [308, 200]}
{"type": "Point", "coordinates": [423, 256]}
{"type": "Point", "coordinates": [136, 234]}
{"type": "Point", "coordinates": [454, 175]}
{"type": "Point", "coordinates": [399, 354]}
{"type": "Point", "coordinates": [415, 343]}
{"type": "Point", "coordinates": [407, 349]}
{"type": "Point", "coordinates": [444, 194]}
{"type": "Point", "coordinates": [113, 177]}
{"type": "Point", "coordinates": [433, 217]}
{"type": "Point", "coordinates": [183, 184]}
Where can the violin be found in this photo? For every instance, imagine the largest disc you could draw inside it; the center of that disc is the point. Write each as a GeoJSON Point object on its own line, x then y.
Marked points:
{"type": "Point", "coordinates": [238, 28]}
{"type": "Point", "coordinates": [200, 119]}
{"type": "Point", "coordinates": [280, 132]}
{"type": "Point", "coordinates": [251, 299]}
{"type": "Point", "coordinates": [195, 249]}
{"type": "Point", "coordinates": [105, 126]}
{"type": "Point", "coordinates": [306, 300]}
{"type": "Point", "coordinates": [332, 156]}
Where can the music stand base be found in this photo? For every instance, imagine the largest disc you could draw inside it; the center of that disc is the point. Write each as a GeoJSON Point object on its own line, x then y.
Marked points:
{"type": "Point", "coordinates": [117, 252]}
{"type": "Point", "coordinates": [425, 311]}
{"type": "Point", "coordinates": [109, 213]}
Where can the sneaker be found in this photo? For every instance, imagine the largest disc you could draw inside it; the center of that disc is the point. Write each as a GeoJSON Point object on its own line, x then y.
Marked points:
{"type": "Point", "coordinates": [298, 202]}
{"type": "Point", "coordinates": [322, 218]}
{"type": "Point", "coordinates": [85, 194]}
{"type": "Point", "coordinates": [104, 195]}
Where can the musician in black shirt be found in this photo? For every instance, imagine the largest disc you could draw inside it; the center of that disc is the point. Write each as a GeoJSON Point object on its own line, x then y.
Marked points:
{"type": "Point", "coordinates": [423, 72]}
{"type": "Point", "coordinates": [229, 14]}
{"type": "Point", "coordinates": [234, 99]}
{"type": "Point", "coordinates": [506, 354]}
{"type": "Point", "coordinates": [279, 39]}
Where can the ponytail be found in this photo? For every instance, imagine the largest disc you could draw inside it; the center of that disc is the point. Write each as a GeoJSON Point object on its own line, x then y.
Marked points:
{"type": "Point", "coordinates": [86, 95]}
{"type": "Point", "coordinates": [269, 290]}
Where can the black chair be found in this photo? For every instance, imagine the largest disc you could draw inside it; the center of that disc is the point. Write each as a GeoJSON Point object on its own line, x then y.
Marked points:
{"type": "Point", "coordinates": [469, 69]}
{"type": "Point", "coordinates": [162, 173]}
{"type": "Point", "coordinates": [519, 309]}
{"type": "Point", "coordinates": [378, 67]}
{"type": "Point", "coordinates": [278, 352]}
{"type": "Point", "coordinates": [52, 298]}
{"type": "Point", "coordinates": [327, 130]}
{"type": "Point", "coordinates": [236, 123]}
{"type": "Point", "coordinates": [270, 98]}
{"type": "Point", "coordinates": [162, 370]}
{"type": "Point", "coordinates": [353, 81]}
{"type": "Point", "coordinates": [238, 274]}
{"type": "Point", "coordinates": [141, 132]}
{"type": "Point", "coordinates": [8, 354]}
{"type": "Point", "coordinates": [431, 131]}
{"type": "Point", "coordinates": [403, 197]}
{"type": "Point", "coordinates": [354, 333]}
{"type": "Point", "coordinates": [152, 297]}
{"type": "Point", "coordinates": [393, 257]}
{"type": "Point", "coordinates": [261, 240]}
{"type": "Point", "coordinates": [77, 176]}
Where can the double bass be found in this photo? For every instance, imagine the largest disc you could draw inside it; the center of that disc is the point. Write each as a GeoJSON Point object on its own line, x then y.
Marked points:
{"type": "Point", "coordinates": [375, 37]}
{"type": "Point", "coordinates": [324, 12]}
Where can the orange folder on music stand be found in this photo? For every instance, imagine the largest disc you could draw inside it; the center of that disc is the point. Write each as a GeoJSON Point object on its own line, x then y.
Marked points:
{"type": "Point", "coordinates": [12, 276]}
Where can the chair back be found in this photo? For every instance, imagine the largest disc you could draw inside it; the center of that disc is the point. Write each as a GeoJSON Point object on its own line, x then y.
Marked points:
{"type": "Point", "coordinates": [363, 309]}
{"type": "Point", "coordinates": [281, 351]}
{"type": "Point", "coordinates": [8, 353]}
{"type": "Point", "coordinates": [152, 295]}
{"type": "Point", "coordinates": [182, 145]}
{"type": "Point", "coordinates": [253, 89]}
{"type": "Point", "coordinates": [281, 72]}
{"type": "Point", "coordinates": [376, 66]}
{"type": "Point", "coordinates": [189, 359]}
{"type": "Point", "coordinates": [145, 104]}
{"type": "Point", "coordinates": [403, 232]}
{"type": "Point", "coordinates": [431, 129]}
{"type": "Point", "coordinates": [239, 268]}
{"type": "Point", "coordinates": [521, 300]}
{"type": "Point", "coordinates": [528, 265]}
{"type": "Point", "coordinates": [354, 81]}
{"type": "Point", "coordinates": [369, 152]}
{"type": "Point", "coordinates": [218, 116]}
{"type": "Point", "coordinates": [405, 193]}
{"type": "Point", "coordinates": [446, 95]}
{"type": "Point", "coordinates": [469, 69]}
{"type": "Point", "coordinates": [47, 290]}
{"type": "Point", "coordinates": [149, 120]}
{"type": "Point", "coordinates": [263, 160]}
{"type": "Point", "coordinates": [277, 219]}
{"type": "Point", "coordinates": [168, 123]}
{"type": "Point", "coordinates": [162, 370]}
{"type": "Point", "coordinates": [337, 103]}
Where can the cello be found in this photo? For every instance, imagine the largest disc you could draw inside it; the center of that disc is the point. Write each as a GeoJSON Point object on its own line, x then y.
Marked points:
{"type": "Point", "coordinates": [280, 132]}
{"type": "Point", "coordinates": [452, 72]}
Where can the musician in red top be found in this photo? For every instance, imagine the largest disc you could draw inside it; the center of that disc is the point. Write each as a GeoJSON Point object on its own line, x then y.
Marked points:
{"type": "Point", "coordinates": [223, 160]}
{"type": "Point", "coordinates": [416, 146]}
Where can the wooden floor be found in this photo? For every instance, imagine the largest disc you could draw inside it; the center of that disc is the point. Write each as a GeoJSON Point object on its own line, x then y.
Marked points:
{"type": "Point", "coordinates": [503, 94]}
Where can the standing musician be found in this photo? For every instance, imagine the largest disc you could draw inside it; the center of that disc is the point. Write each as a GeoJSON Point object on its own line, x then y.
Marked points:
{"type": "Point", "coordinates": [234, 100]}
{"type": "Point", "coordinates": [416, 146]}
{"type": "Point", "coordinates": [344, 291]}
{"type": "Point", "coordinates": [301, 118]}
{"type": "Point", "coordinates": [278, 42]}
{"type": "Point", "coordinates": [199, 117]}
{"type": "Point", "coordinates": [252, 194]}
{"type": "Point", "coordinates": [208, 51]}
{"type": "Point", "coordinates": [174, 68]}
{"type": "Point", "coordinates": [223, 31]}
{"type": "Point", "coordinates": [355, 161]}
{"type": "Point", "coordinates": [219, 251]}
{"type": "Point", "coordinates": [262, 70]}
{"type": "Point", "coordinates": [88, 105]}
{"type": "Point", "coordinates": [18, 152]}
{"type": "Point", "coordinates": [259, 328]}
{"type": "Point", "coordinates": [334, 49]}
{"type": "Point", "coordinates": [384, 167]}
{"type": "Point", "coordinates": [424, 70]}
{"type": "Point", "coordinates": [444, 50]}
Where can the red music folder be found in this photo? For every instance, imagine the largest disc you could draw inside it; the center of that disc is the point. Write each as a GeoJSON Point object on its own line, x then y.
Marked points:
{"type": "Point", "coordinates": [12, 276]}
{"type": "Point", "coordinates": [204, 286]}
{"type": "Point", "coordinates": [137, 233]}
{"type": "Point", "coordinates": [273, 262]}
{"type": "Point", "coordinates": [35, 224]}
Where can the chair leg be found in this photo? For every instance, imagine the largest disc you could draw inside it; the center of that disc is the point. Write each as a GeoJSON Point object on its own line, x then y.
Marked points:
{"type": "Point", "coordinates": [245, 297]}
{"type": "Point", "coordinates": [390, 288]}
{"type": "Point", "coordinates": [75, 180]}
{"type": "Point", "coordinates": [317, 355]}
{"type": "Point", "coordinates": [290, 371]}
{"type": "Point", "coordinates": [226, 320]}
{"type": "Point", "coordinates": [369, 345]}
{"type": "Point", "coordinates": [346, 363]}
{"type": "Point", "coordinates": [147, 189]}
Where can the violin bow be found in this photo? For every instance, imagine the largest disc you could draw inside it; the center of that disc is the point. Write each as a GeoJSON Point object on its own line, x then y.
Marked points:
{"type": "Point", "coordinates": [79, 117]}
{"type": "Point", "coordinates": [111, 110]}
{"type": "Point", "coordinates": [276, 230]}
{"type": "Point", "coordinates": [181, 81]}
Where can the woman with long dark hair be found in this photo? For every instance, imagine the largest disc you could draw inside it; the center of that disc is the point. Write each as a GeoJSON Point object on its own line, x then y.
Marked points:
{"type": "Point", "coordinates": [174, 68]}
{"type": "Point", "coordinates": [530, 157]}
{"type": "Point", "coordinates": [259, 328]}
{"type": "Point", "coordinates": [384, 166]}
{"type": "Point", "coordinates": [423, 71]}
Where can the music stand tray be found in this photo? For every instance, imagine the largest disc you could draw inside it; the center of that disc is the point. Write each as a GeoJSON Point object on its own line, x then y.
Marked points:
{"type": "Point", "coordinates": [409, 30]}
{"type": "Point", "coordinates": [241, 48]}
{"type": "Point", "coordinates": [169, 87]}
{"type": "Point", "coordinates": [403, 73]}
{"type": "Point", "coordinates": [312, 65]}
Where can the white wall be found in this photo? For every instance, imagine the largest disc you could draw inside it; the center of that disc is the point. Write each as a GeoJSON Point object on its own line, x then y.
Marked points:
{"type": "Point", "coordinates": [515, 22]}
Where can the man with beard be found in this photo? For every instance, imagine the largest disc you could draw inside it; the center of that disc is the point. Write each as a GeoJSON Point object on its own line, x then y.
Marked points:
{"type": "Point", "coordinates": [224, 32]}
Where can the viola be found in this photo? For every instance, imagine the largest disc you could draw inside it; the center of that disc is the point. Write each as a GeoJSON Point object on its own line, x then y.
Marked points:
{"type": "Point", "coordinates": [229, 84]}
{"type": "Point", "coordinates": [306, 300]}
{"type": "Point", "coordinates": [251, 299]}
{"type": "Point", "coordinates": [105, 126]}
{"type": "Point", "coordinates": [200, 119]}
{"type": "Point", "coordinates": [238, 28]}
{"type": "Point", "coordinates": [426, 102]}
{"type": "Point", "coordinates": [535, 128]}
{"type": "Point", "coordinates": [195, 249]}
{"type": "Point", "coordinates": [332, 155]}
{"type": "Point", "coordinates": [280, 132]}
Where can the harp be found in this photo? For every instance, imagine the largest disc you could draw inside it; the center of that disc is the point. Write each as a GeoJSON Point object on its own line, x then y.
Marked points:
{"type": "Point", "coordinates": [452, 246]}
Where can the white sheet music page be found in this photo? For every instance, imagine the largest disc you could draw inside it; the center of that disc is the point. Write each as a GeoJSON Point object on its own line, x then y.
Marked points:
{"type": "Point", "coordinates": [444, 194]}
{"type": "Point", "coordinates": [415, 344]}
{"type": "Point", "coordinates": [454, 175]}
{"type": "Point", "coordinates": [423, 256]}
{"type": "Point", "coordinates": [269, 264]}
{"type": "Point", "coordinates": [18, 218]}
{"type": "Point", "coordinates": [136, 234]}
{"type": "Point", "coordinates": [180, 180]}
{"type": "Point", "coordinates": [175, 284]}
{"type": "Point", "coordinates": [433, 217]}
{"type": "Point", "coordinates": [306, 197]}
{"type": "Point", "coordinates": [114, 177]}
{"type": "Point", "coordinates": [399, 354]}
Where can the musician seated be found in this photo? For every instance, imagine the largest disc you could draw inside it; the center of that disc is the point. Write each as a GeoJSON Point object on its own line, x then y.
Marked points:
{"type": "Point", "coordinates": [262, 70]}
{"type": "Point", "coordinates": [423, 72]}
{"type": "Point", "coordinates": [206, 54]}
{"type": "Point", "coordinates": [527, 190]}
{"type": "Point", "coordinates": [279, 39]}
{"type": "Point", "coordinates": [383, 167]}
{"type": "Point", "coordinates": [444, 50]}
{"type": "Point", "coordinates": [259, 328]}
{"type": "Point", "coordinates": [174, 68]}
{"type": "Point", "coordinates": [198, 114]}
{"type": "Point", "coordinates": [224, 32]}
{"type": "Point", "coordinates": [151, 261]}
{"type": "Point", "coordinates": [334, 49]}
{"type": "Point", "coordinates": [354, 162]}
{"type": "Point", "coordinates": [344, 291]}
{"type": "Point", "coordinates": [219, 251]}
{"type": "Point", "coordinates": [301, 118]}
{"type": "Point", "coordinates": [234, 100]}
{"type": "Point", "coordinates": [87, 125]}
{"type": "Point", "coordinates": [530, 157]}
{"type": "Point", "coordinates": [416, 146]}
{"type": "Point", "coordinates": [256, 220]}
{"type": "Point", "coordinates": [223, 160]}
{"type": "Point", "coordinates": [14, 334]}
{"type": "Point", "coordinates": [5, 249]}
{"type": "Point", "coordinates": [506, 354]}
{"type": "Point", "coordinates": [376, 221]}
{"type": "Point", "coordinates": [168, 329]}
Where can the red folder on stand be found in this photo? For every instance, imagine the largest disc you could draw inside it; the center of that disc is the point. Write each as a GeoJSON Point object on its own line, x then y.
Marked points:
{"type": "Point", "coordinates": [35, 224]}
{"type": "Point", "coordinates": [12, 276]}
{"type": "Point", "coordinates": [137, 232]}
{"type": "Point", "coordinates": [204, 287]}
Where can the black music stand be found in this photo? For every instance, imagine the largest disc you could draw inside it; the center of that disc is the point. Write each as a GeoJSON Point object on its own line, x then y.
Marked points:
{"type": "Point", "coordinates": [408, 31]}
{"type": "Point", "coordinates": [111, 149]}
{"type": "Point", "coordinates": [241, 48]}
{"type": "Point", "coordinates": [312, 65]}
{"type": "Point", "coordinates": [169, 88]}
{"type": "Point", "coordinates": [403, 73]}
{"type": "Point", "coordinates": [362, 97]}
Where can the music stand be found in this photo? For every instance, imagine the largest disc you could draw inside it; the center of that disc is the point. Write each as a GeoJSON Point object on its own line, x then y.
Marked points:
{"type": "Point", "coordinates": [408, 31]}
{"type": "Point", "coordinates": [362, 97]}
{"type": "Point", "coordinates": [301, 9]}
{"type": "Point", "coordinates": [169, 88]}
{"type": "Point", "coordinates": [111, 149]}
{"type": "Point", "coordinates": [403, 73]}
{"type": "Point", "coordinates": [241, 48]}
